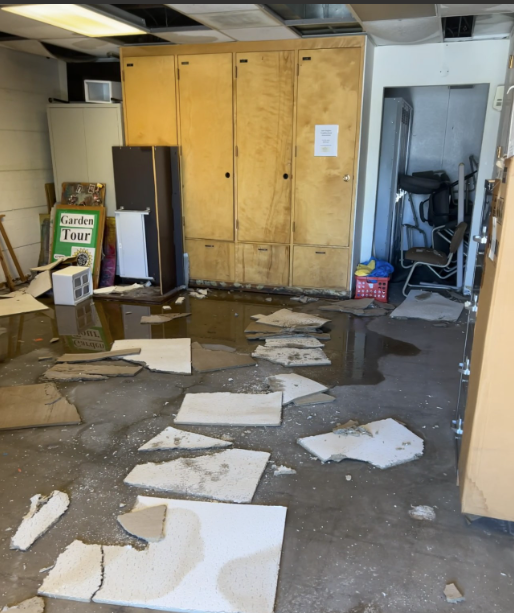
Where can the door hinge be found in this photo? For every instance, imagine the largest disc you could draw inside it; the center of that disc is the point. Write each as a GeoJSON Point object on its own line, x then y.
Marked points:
{"type": "Point", "coordinates": [294, 226]}
{"type": "Point", "coordinates": [237, 151]}
{"type": "Point", "coordinates": [511, 61]}
{"type": "Point", "coordinates": [178, 74]}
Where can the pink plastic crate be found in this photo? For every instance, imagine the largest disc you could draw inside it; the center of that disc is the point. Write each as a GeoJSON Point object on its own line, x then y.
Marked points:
{"type": "Point", "coordinates": [372, 287]}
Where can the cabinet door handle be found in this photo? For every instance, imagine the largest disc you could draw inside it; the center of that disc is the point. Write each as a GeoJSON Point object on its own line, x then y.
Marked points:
{"type": "Point", "coordinates": [210, 246]}
{"type": "Point", "coordinates": [285, 175]}
{"type": "Point", "coordinates": [227, 174]}
{"type": "Point", "coordinates": [346, 178]}
{"type": "Point", "coordinates": [321, 253]}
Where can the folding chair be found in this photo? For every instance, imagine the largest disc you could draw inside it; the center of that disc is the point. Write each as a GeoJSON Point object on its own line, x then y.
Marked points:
{"type": "Point", "coordinates": [434, 259]}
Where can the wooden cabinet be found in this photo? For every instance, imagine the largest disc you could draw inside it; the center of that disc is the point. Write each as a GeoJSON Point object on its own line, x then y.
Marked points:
{"type": "Point", "coordinates": [265, 88]}
{"type": "Point", "coordinates": [329, 93]}
{"type": "Point", "coordinates": [211, 260]}
{"type": "Point", "coordinates": [320, 267]}
{"type": "Point", "coordinates": [262, 264]}
{"type": "Point", "coordinates": [206, 132]}
{"type": "Point", "coordinates": [150, 100]}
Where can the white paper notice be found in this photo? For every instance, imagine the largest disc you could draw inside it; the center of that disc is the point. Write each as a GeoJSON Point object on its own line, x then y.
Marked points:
{"type": "Point", "coordinates": [325, 141]}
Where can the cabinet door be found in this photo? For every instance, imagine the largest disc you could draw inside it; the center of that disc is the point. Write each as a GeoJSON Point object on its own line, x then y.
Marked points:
{"type": "Point", "coordinates": [262, 264]}
{"type": "Point", "coordinates": [210, 260]}
{"type": "Point", "coordinates": [320, 267]}
{"type": "Point", "coordinates": [329, 86]}
{"type": "Point", "coordinates": [150, 101]}
{"type": "Point", "coordinates": [206, 132]}
{"type": "Point", "coordinates": [265, 88]}
{"type": "Point", "coordinates": [68, 146]}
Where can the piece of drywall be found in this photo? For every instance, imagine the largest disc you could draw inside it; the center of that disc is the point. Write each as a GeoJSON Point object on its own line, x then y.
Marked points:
{"type": "Point", "coordinates": [447, 127]}
{"type": "Point", "coordinates": [458, 63]}
{"type": "Point", "coordinates": [26, 83]}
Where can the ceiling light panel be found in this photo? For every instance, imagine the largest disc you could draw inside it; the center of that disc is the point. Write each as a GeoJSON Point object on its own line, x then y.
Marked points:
{"type": "Point", "coordinates": [405, 31]}
{"type": "Point", "coordinates": [194, 37]}
{"type": "Point", "coordinates": [457, 10]}
{"type": "Point", "coordinates": [195, 9]}
{"type": "Point", "coordinates": [250, 34]}
{"type": "Point", "coordinates": [74, 18]}
{"type": "Point", "coordinates": [28, 28]}
{"type": "Point", "coordinates": [237, 19]}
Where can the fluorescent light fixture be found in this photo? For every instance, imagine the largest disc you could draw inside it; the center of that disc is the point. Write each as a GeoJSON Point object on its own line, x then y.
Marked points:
{"type": "Point", "coordinates": [76, 18]}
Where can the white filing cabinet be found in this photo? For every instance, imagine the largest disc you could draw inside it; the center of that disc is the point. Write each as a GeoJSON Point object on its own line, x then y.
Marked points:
{"type": "Point", "coordinates": [82, 137]}
{"type": "Point", "coordinates": [131, 242]}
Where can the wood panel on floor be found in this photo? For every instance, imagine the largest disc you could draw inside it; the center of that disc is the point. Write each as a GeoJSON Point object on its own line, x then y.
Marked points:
{"type": "Point", "coordinates": [264, 125]}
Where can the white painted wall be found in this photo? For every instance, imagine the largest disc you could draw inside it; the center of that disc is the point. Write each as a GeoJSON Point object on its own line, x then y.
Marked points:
{"type": "Point", "coordinates": [26, 83]}
{"type": "Point", "coordinates": [421, 65]}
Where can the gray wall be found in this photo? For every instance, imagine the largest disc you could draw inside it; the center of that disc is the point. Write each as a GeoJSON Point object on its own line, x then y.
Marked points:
{"type": "Point", "coordinates": [447, 128]}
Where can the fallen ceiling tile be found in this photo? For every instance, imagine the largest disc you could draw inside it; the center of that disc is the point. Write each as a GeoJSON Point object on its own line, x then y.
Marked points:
{"type": "Point", "coordinates": [294, 387]}
{"type": "Point", "coordinates": [292, 357]}
{"type": "Point", "coordinates": [279, 471]}
{"type": "Point", "coordinates": [351, 428]}
{"type": "Point", "coordinates": [205, 360]}
{"type": "Point", "coordinates": [231, 475]}
{"type": "Point", "coordinates": [430, 306]}
{"type": "Point", "coordinates": [214, 347]}
{"type": "Point", "coordinates": [147, 524]}
{"type": "Point", "coordinates": [227, 409]}
{"type": "Point", "coordinates": [390, 444]}
{"type": "Point", "coordinates": [100, 355]}
{"type": "Point", "coordinates": [162, 355]}
{"type": "Point", "coordinates": [41, 284]}
{"type": "Point", "coordinates": [43, 514]}
{"type": "Point", "coordinates": [290, 319]}
{"type": "Point", "coordinates": [77, 574]}
{"type": "Point", "coordinates": [18, 303]}
{"type": "Point", "coordinates": [294, 343]}
{"type": "Point", "coordinates": [214, 558]}
{"type": "Point", "coordinates": [95, 371]}
{"type": "Point", "coordinates": [55, 264]}
{"type": "Point", "coordinates": [453, 594]}
{"type": "Point", "coordinates": [172, 438]}
{"type": "Point", "coordinates": [314, 399]}
{"type": "Point", "coordinates": [117, 289]}
{"type": "Point", "coordinates": [34, 406]}
{"type": "Point", "coordinates": [33, 605]}
{"type": "Point", "coordinates": [162, 319]}
{"type": "Point", "coordinates": [423, 513]}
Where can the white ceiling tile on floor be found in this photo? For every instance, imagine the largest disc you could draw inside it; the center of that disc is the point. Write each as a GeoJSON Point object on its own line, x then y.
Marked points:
{"type": "Point", "coordinates": [26, 46]}
{"type": "Point", "coordinates": [237, 19]}
{"type": "Point", "coordinates": [30, 28]}
{"type": "Point", "coordinates": [93, 46]}
{"type": "Point", "coordinates": [194, 9]}
{"type": "Point", "coordinates": [455, 10]}
{"type": "Point", "coordinates": [405, 31]}
{"type": "Point", "coordinates": [249, 34]}
{"type": "Point", "coordinates": [194, 37]}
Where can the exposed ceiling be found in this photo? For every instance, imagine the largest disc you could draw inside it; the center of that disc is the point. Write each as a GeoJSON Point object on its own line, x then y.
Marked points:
{"type": "Point", "coordinates": [387, 24]}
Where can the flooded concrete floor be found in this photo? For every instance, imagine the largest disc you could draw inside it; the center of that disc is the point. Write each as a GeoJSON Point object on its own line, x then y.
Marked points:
{"type": "Point", "coordinates": [350, 546]}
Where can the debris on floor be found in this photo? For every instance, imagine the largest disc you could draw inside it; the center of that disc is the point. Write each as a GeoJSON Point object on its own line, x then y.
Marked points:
{"type": "Point", "coordinates": [173, 438]}
{"type": "Point", "coordinates": [98, 356]}
{"type": "Point", "coordinates": [231, 475]}
{"type": "Point", "coordinates": [390, 444]}
{"type": "Point", "coordinates": [171, 355]}
{"type": "Point", "coordinates": [422, 513]}
{"type": "Point", "coordinates": [40, 284]}
{"type": "Point", "coordinates": [162, 319]}
{"type": "Point", "coordinates": [278, 471]}
{"type": "Point", "coordinates": [294, 387]}
{"type": "Point", "coordinates": [207, 360]}
{"type": "Point", "coordinates": [180, 300]}
{"type": "Point", "coordinates": [117, 289]}
{"type": "Point", "coordinates": [147, 524]}
{"type": "Point", "coordinates": [430, 306]}
{"type": "Point", "coordinates": [314, 399]}
{"type": "Point", "coordinates": [18, 303]}
{"type": "Point", "coordinates": [77, 574]}
{"type": "Point", "coordinates": [292, 357]}
{"type": "Point", "coordinates": [304, 299]}
{"type": "Point", "coordinates": [167, 307]}
{"type": "Point", "coordinates": [284, 318]}
{"type": "Point", "coordinates": [215, 347]}
{"type": "Point", "coordinates": [227, 409]}
{"type": "Point", "coordinates": [453, 594]}
{"type": "Point", "coordinates": [33, 605]}
{"type": "Point", "coordinates": [351, 428]}
{"type": "Point", "coordinates": [43, 514]}
{"type": "Point", "coordinates": [34, 406]}
{"type": "Point", "coordinates": [197, 295]}
{"type": "Point", "coordinates": [56, 339]}
{"type": "Point", "coordinates": [257, 331]}
{"type": "Point", "coordinates": [95, 371]}
{"type": "Point", "coordinates": [300, 342]}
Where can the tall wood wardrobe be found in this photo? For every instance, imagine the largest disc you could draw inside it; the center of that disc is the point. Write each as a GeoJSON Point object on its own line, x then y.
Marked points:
{"type": "Point", "coordinates": [260, 208]}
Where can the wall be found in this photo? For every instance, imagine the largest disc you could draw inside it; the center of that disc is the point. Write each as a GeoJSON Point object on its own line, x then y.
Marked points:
{"type": "Point", "coordinates": [447, 127]}
{"type": "Point", "coordinates": [421, 65]}
{"type": "Point", "coordinates": [26, 83]}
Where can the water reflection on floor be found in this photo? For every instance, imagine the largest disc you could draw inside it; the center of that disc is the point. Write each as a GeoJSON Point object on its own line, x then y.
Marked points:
{"type": "Point", "coordinates": [219, 319]}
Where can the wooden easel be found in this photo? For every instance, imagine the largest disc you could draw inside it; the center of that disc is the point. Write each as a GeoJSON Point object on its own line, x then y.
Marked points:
{"type": "Point", "coordinates": [5, 268]}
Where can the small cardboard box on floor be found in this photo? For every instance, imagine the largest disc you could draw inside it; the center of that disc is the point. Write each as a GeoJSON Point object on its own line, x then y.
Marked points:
{"type": "Point", "coordinates": [487, 455]}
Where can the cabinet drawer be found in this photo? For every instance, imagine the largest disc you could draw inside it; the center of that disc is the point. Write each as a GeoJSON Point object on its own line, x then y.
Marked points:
{"type": "Point", "coordinates": [320, 267]}
{"type": "Point", "coordinates": [210, 260]}
{"type": "Point", "coordinates": [262, 264]}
